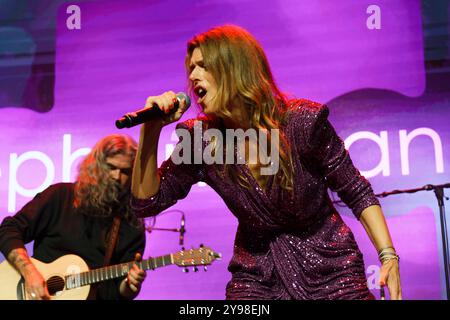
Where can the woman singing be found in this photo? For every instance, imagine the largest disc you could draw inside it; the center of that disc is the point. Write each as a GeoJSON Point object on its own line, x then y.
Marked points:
{"type": "Point", "coordinates": [291, 243]}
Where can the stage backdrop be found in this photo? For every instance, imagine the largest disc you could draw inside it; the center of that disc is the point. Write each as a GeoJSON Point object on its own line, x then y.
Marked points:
{"type": "Point", "coordinates": [69, 69]}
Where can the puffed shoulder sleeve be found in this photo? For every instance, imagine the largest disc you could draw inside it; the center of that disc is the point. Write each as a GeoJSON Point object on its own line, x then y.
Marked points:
{"type": "Point", "coordinates": [326, 148]}
{"type": "Point", "coordinates": [176, 176]}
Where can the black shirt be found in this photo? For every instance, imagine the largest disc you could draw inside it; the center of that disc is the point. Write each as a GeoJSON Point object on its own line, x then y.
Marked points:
{"type": "Point", "coordinates": [58, 229]}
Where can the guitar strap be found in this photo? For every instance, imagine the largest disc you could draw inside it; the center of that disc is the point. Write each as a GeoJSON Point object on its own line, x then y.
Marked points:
{"type": "Point", "coordinates": [112, 240]}
{"type": "Point", "coordinates": [111, 244]}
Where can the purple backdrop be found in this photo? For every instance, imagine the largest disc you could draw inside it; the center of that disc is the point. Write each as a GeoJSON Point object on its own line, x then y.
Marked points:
{"type": "Point", "coordinates": [374, 80]}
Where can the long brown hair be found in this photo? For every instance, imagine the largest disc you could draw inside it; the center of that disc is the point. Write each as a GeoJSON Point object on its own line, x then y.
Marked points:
{"type": "Point", "coordinates": [241, 70]}
{"type": "Point", "coordinates": [95, 192]}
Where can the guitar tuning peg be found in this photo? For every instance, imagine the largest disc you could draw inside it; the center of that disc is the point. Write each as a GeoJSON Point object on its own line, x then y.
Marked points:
{"type": "Point", "coordinates": [185, 270]}
{"type": "Point", "coordinates": [205, 268]}
{"type": "Point", "coordinates": [195, 269]}
{"type": "Point", "coordinates": [182, 248]}
{"type": "Point", "coordinates": [201, 245]}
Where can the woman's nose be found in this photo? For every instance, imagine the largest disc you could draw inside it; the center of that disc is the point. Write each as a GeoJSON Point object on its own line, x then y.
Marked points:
{"type": "Point", "coordinates": [193, 75]}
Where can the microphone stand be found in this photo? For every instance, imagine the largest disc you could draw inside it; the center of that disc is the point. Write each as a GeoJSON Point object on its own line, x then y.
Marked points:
{"type": "Point", "coordinates": [181, 230]}
{"type": "Point", "coordinates": [439, 192]}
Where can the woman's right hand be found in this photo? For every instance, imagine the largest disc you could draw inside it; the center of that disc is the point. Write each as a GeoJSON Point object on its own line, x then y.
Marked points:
{"type": "Point", "coordinates": [145, 180]}
{"type": "Point", "coordinates": [166, 103]}
{"type": "Point", "coordinates": [35, 285]}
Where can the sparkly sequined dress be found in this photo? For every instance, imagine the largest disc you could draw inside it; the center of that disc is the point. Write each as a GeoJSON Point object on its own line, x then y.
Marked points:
{"type": "Point", "coordinates": [288, 245]}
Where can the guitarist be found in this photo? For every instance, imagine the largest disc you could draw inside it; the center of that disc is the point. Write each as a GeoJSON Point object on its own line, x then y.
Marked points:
{"type": "Point", "coordinates": [77, 218]}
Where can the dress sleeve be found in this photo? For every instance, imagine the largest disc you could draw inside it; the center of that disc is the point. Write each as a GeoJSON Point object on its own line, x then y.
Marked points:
{"type": "Point", "coordinates": [29, 223]}
{"type": "Point", "coordinates": [176, 181]}
{"type": "Point", "coordinates": [327, 150]}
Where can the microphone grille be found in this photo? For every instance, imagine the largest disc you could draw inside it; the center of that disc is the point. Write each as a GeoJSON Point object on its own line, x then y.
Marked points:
{"type": "Point", "coordinates": [182, 95]}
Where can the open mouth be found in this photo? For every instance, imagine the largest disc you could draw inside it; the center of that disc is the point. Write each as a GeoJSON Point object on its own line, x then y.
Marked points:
{"type": "Point", "coordinates": [200, 92]}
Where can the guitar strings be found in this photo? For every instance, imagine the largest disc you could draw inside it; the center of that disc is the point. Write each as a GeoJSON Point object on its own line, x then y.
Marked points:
{"type": "Point", "coordinates": [55, 282]}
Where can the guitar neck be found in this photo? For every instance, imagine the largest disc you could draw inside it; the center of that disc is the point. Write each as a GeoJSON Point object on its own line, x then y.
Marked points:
{"type": "Point", "coordinates": [115, 271]}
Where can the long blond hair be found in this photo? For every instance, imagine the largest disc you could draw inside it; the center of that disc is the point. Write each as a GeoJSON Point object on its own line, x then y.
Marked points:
{"type": "Point", "coordinates": [241, 70]}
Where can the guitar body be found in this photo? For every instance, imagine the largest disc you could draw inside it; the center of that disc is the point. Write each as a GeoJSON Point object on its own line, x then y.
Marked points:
{"type": "Point", "coordinates": [12, 285]}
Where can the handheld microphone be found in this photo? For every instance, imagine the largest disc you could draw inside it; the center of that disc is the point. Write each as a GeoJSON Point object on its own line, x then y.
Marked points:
{"type": "Point", "coordinates": [132, 119]}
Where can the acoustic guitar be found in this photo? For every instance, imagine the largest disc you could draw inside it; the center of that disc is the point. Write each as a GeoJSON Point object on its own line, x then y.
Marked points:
{"type": "Point", "coordinates": [69, 277]}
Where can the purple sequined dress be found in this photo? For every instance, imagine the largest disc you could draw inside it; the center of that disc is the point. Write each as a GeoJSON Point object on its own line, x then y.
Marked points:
{"type": "Point", "coordinates": [287, 246]}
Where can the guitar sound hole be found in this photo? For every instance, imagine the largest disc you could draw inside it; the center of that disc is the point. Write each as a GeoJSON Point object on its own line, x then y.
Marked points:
{"type": "Point", "coordinates": [55, 284]}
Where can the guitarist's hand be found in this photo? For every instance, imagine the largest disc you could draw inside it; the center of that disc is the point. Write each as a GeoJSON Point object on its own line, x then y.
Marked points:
{"type": "Point", "coordinates": [136, 275]}
{"type": "Point", "coordinates": [130, 287]}
{"type": "Point", "coordinates": [35, 285]}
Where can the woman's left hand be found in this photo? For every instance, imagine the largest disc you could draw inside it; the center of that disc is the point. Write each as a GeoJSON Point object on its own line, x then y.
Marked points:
{"type": "Point", "coordinates": [390, 276]}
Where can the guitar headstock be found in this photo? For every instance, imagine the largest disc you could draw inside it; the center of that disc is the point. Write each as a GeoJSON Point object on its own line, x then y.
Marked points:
{"type": "Point", "coordinates": [202, 256]}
